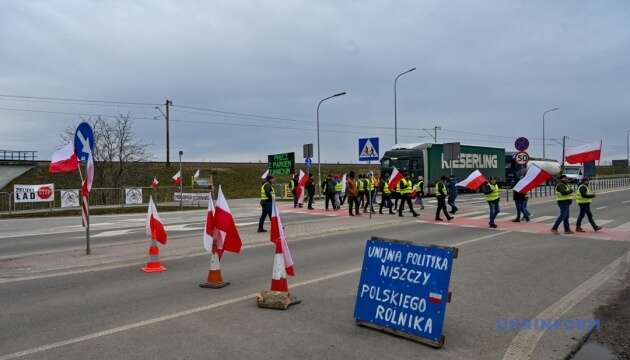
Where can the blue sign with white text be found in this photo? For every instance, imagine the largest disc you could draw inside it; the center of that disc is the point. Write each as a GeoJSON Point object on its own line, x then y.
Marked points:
{"type": "Point", "coordinates": [83, 141]}
{"type": "Point", "coordinates": [404, 288]}
{"type": "Point", "coordinates": [368, 149]}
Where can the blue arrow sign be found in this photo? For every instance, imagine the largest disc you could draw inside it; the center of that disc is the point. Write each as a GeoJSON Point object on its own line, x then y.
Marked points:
{"type": "Point", "coordinates": [308, 161]}
{"type": "Point", "coordinates": [83, 141]}
{"type": "Point", "coordinates": [368, 149]}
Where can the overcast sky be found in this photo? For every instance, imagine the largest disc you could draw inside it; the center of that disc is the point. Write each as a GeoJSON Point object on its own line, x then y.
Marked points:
{"type": "Point", "coordinates": [486, 71]}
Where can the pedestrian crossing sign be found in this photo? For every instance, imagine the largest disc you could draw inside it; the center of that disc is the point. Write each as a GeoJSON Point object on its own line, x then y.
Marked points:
{"type": "Point", "coordinates": [368, 149]}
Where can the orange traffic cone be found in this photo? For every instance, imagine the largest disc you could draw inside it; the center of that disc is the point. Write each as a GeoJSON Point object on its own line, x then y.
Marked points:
{"type": "Point", "coordinates": [279, 276]}
{"type": "Point", "coordinates": [153, 265]}
{"type": "Point", "coordinates": [215, 279]}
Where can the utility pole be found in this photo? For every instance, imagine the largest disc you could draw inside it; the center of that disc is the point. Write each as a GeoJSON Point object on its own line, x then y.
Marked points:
{"type": "Point", "coordinates": [434, 135]}
{"type": "Point", "coordinates": [167, 104]}
{"type": "Point", "coordinates": [564, 143]}
{"type": "Point", "coordinates": [627, 151]}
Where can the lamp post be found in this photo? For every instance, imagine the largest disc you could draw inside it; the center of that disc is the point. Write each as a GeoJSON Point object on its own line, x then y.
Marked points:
{"type": "Point", "coordinates": [627, 151]}
{"type": "Point", "coordinates": [181, 182]}
{"type": "Point", "coordinates": [395, 112]}
{"type": "Point", "coordinates": [319, 165]}
{"type": "Point", "coordinates": [543, 118]}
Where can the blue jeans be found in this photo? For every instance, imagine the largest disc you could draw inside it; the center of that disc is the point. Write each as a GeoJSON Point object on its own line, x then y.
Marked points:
{"type": "Point", "coordinates": [521, 209]}
{"type": "Point", "coordinates": [564, 217]}
{"type": "Point", "coordinates": [494, 210]}
{"type": "Point", "coordinates": [266, 211]}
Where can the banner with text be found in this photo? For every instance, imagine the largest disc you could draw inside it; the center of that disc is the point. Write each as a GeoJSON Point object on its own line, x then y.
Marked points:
{"type": "Point", "coordinates": [404, 289]}
{"type": "Point", "coordinates": [281, 164]}
{"type": "Point", "coordinates": [34, 193]}
{"type": "Point", "coordinates": [192, 196]}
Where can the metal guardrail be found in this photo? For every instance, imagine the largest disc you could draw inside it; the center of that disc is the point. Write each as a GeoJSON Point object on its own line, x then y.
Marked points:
{"type": "Point", "coordinates": [595, 184]}
{"type": "Point", "coordinates": [16, 155]}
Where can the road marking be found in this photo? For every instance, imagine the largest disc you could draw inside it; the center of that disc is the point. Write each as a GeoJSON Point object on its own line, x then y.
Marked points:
{"type": "Point", "coordinates": [111, 233]}
{"type": "Point", "coordinates": [540, 219]}
{"type": "Point", "coordinates": [501, 214]}
{"type": "Point", "coordinates": [525, 341]}
{"type": "Point", "coordinates": [624, 226]}
{"type": "Point", "coordinates": [601, 207]}
{"type": "Point", "coordinates": [180, 314]}
{"type": "Point", "coordinates": [626, 202]}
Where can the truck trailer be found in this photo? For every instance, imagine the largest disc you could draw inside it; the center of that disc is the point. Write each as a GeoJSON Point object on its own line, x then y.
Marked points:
{"type": "Point", "coordinates": [428, 160]}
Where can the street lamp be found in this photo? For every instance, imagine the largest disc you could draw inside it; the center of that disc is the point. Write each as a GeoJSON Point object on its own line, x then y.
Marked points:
{"type": "Point", "coordinates": [319, 165]}
{"type": "Point", "coordinates": [627, 151]}
{"type": "Point", "coordinates": [395, 114]}
{"type": "Point", "coordinates": [181, 182]}
{"type": "Point", "coordinates": [544, 113]}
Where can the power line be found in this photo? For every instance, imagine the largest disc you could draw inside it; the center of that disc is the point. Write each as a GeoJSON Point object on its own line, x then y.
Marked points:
{"type": "Point", "coordinates": [76, 100]}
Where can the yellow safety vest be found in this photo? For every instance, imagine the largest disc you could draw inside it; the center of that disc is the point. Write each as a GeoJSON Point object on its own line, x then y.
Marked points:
{"type": "Point", "coordinates": [263, 194]}
{"type": "Point", "coordinates": [578, 195]}
{"type": "Point", "coordinates": [494, 193]}
{"type": "Point", "coordinates": [419, 185]}
{"type": "Point", "coordinates": [360, 185]}
{"type": "Point", "coordinates": [291, 185]}
{"type": "Point", "coordinates": [386, 190]}
{"type": "Point", "coordinates": [560, 197]}
{"type": "Point", "coordinates": [370, 184]}
{"type": "Point", "coordinates": [338, 186]}
{"type": "Point", "coordinates": [437, 189]}
{"type": "Point", "coordinates": [406, 189]}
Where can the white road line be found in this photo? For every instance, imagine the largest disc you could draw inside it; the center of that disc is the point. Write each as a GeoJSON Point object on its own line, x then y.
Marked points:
{"type": "Point", "coordinates": [111, 233]}
{"type": "Point", "coordinates": [180, 314]}
{"type": "Point", "coordinates": [626, 202]}
{"type": "Point", "coordinates": [624, 226]}
{"type": "Point", "coordinates": [501, 214]}
{"type": "Point", "coordinates": [540, 219]}
{"type": "Point", "coordinates": [525, 341]}
{"type": "Point", "coordinates": [601, 207]}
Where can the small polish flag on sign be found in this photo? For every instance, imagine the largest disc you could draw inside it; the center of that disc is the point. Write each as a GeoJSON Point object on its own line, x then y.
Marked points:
{"type": "Point", "coordinates": [279, 238]}
{"type": "Point", "coordinates": [534, 177]}
{"type": "Point", "coordinates": [473, 181]}
{"type": "Point", "coordinates": [64, 160]}
{"type": "Point", "coordinates": [224, 221]}
{"type": "Point", "coordinates": [394, 179]}
{"type": "Point", "coordinates": [155, 226]}
{"type": "Point", "coordinates": [264, 175]}
{"type": "Point", "coordinates": [583, 154]}
{"type": "Point", "coordinates": [435, 298]}
{"type": "Point", "coordinates": [154, 183]}
{"type": "Point", "coordinates": [177, 178]}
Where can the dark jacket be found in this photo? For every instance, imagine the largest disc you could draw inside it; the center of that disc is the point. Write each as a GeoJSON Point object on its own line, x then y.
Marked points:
{"type": "Point", "coordinates": [519, 196]}
{"type": "Point", "coordinates": [584, 192]}
{"type": "Point", "coordinates": [564, 189]}
{"type": "Point", "coordinates": [310, 187]}
{"type": "Point", "coordinates": [328, 186]}
{"type": "Point", "coordinates": [452, 189]}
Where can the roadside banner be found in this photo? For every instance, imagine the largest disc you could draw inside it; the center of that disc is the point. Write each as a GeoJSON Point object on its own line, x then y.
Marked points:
{"type": "Point", "coordinates": [69, 198]}
{"type": "Point", "coordinates": [133, 196]}
{"type": "Point", "coordinates": [34, 193]}
{"type": "Point", "coordinates": [404, 288]}
{"type": "Point", "coordinates": [191, 196]}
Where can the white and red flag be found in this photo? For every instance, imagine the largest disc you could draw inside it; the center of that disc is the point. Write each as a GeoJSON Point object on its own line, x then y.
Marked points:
{"type": "Point", "coordinates": [197, 174]}
{"type": "Point", "coordinates": [177, 178]}
{"type": "Point", "coordinates": [283, 258]}
{"type": "Point", "coordinates": [473, 181]}
{"type": "Point", "coordinates": [154, 183]}
{"type": "Point", "coordinates": [64, 160]}
{"type": "Point", "coordinates": [344, 180]}
{"type": "Point", "coordinates": [394, 179]}
{"type": "Point", "coordinates": [86, 187]}
{"type": "Point", "coordinates": [264, 175]}
{"type": "Point", "coordinates": [302, 180]}
{"type": "Point", "coordinates": [210, 232]}
{"type": "Point", "coordinates": [583, 154]}
{"type": "Point", "coordinates": [155, 226]}
{"type": "Point", "coordinates": [534, 177]}
{"type": "Point", "coordinates": [228, 238]}
{"type": "Point", "coordinates": [435, 298]}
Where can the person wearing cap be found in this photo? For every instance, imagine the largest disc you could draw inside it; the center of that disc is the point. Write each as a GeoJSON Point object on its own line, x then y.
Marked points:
{"type": "Point", "coordinates": [404, 188]}
{"type": "Point", "coordinates": [267, 194]}
{"type": "Point", "coordinates": [564, 198]}
{"type": "Point", "coordinates": [441, 192]}
{"type": "Point", "coordinates": [584, 198]}
{"type": "Point", "coordinates": [493, 198]}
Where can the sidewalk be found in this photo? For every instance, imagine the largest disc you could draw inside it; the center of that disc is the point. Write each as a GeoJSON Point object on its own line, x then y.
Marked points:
{"type": "Point", "coordinates": [179, 246]}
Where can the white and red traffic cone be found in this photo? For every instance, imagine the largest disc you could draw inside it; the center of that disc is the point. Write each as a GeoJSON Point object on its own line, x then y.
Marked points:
{"type": "Point", "coordinates": [215, 278]}
{"type": "Point", "coordinates": [153, 265]}
{"type": "Point", "coordinates": [279, 275]}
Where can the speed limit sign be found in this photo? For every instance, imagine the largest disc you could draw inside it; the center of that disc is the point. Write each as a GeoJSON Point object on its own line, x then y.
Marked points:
{"type": "Point", "coordinates": [521, 158]}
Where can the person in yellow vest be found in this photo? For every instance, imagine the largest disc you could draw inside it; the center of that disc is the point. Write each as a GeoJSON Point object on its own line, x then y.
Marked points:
{"type": "Point", "coordinates": [584, 197]}
{"type": "Point", "coordinates": [419, 188]}
{"type": "Point", "coordinates": [361, 190]}
{"type": "Point", "coordinates": [564, 198]}
{"type": "Point", "coordinates": [386, 195]}
{"type": "Point", "coordinates": [267, 194]}
{"type": "Point", "coordinates": [441, 192]}
{"type": "Point", "coordinates": [369, 193]}
{"type": "Point", "coordinates": [293, 185]}
{"type": "Point", "coordinates": [405, 188]}
{"type": "Point", "coordinates": [493, 197]}
{"type": "Point", "coordinates": [338, 189]}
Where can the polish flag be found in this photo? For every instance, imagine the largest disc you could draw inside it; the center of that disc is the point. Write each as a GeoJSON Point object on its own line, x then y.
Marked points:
{"type": "Point", "coordinates": [583, 154]}
{"type": "Point", "coordinates": [155, 226]}
{"type": "Point", "coordinates": [394, 179]}
{"type": "Point", "coordinates": [230, 239]}
{"type": "Point", "coordinates": [177, 178]}
{"type": "Point", "coordinates": [154, 183]}
{"type": "Point", "coordinates": [473, 181]}
{"type": "Point", "coordinates": [344, 180]}
{"type": "Point", "coordinates": [282, 247]}
{"type": "Point", "coordinates": [264, 175]}
{"type": "Point", "coordinates": [210, 231]}
{"type": "Point", "coordinates": [534, 177]}
{"type": "Point", "coordinates": [89, 176]}
{"type": "Point", "coordinates": [64, 160]}
{"type": "Point", "coordinates": [302, 180]}
{"type": "Point", "coordinates": [197, 173]}
{"type": "Point", "coordinates": [435, 298]}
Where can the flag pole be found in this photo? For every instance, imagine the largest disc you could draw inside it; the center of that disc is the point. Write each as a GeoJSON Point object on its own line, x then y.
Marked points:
{"type": "Point", "coordinates": [87, 217]}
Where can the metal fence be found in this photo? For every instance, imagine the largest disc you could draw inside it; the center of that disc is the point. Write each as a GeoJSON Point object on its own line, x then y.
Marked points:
{"type": "Point", "coordinates": [595, 185]}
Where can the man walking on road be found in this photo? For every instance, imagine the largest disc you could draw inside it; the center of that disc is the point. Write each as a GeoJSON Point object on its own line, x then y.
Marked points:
{"type": "Point", "coordinates": [520, 202]}
{"type": "Point", "coordinates": [441, 193]}
{"type": "Point", "coordinates": [564, 198]}
{"type": "Point", "coordinates": [419, 188]}
{"type": "Point", "coordinates": [338, 189]}
{"type": "Point", "coordinates": [293, 185]}
{"type": "Point", "coordinates": [369, 193]}
{"type": "Point", "coordinates": [267, 195]}
{"type": "Point", "coordinates": [310, 190]}
{"type": "Point", "coordinates": [386, 195]}
{"type": "Point", "coordinates": [452, 193]}
{"type": "Point", "coordinates": [352, 193]}
{"type": "Point", "coordinates": [584, 198]}
{"type": "Point", "coordinates": [493, 197]}
{"type": "Point", "coordinates": [328, 188]}
{"type": "Point", "coordinates": [404, 188]}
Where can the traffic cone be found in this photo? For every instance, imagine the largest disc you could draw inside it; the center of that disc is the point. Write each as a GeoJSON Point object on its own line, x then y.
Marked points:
{"type": "Point", "coordinates": [279, 276]}
{"type": "Point", "coordinates": [153, 265]}
{"type": "Point", "coordinates": [215, 279]}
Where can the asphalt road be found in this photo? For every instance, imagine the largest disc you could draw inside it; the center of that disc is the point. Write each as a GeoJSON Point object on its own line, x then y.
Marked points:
{"type": "Point", "coordinates": [123, 313]}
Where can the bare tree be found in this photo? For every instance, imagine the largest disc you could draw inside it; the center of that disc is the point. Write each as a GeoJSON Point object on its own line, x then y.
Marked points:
{"type": "Point", "coordinates": [115, 147]}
